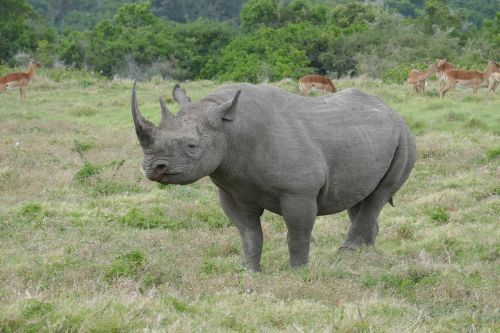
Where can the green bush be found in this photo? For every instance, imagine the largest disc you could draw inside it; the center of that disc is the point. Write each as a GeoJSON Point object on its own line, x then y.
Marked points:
{"type": "Point", "coordinates": [267, 54]}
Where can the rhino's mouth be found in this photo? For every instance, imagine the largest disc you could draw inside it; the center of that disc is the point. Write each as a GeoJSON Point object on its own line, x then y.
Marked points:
{"type": "Point", "coordinates": [166, 176]}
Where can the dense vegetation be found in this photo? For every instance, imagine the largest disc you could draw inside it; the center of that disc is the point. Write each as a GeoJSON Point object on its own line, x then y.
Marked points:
{"type": "Point", "coordinates": [267, 39]}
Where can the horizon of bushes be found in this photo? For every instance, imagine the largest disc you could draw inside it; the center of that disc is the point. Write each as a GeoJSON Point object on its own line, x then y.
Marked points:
{"type": "Point", "coordinates": [274, 41]}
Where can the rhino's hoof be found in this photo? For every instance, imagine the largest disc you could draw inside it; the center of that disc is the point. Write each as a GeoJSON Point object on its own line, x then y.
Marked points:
{"type": "Point", "coordinates": [254, 268]}
{"type": "Point", "coordinates": [349, 246]}
{"type": "Point", "coordinates": [299, 266]}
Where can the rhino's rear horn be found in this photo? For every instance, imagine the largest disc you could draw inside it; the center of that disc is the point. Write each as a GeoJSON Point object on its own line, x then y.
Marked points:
{"type": "Point", "coordinates": [167, 119]}
{"type": "Point", "coordinates": [180, 95]}
{"type": "Point", "coordinates": [143, 128]}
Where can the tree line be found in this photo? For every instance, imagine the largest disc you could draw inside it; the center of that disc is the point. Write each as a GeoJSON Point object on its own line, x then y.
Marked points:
{"type": "Point", "coordinates": [252, 41]}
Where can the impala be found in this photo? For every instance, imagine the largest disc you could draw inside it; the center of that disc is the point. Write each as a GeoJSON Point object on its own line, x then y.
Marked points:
{"type": "Point", "coordinates": [494, 79]}
{"type": "Point", "coordinates": [315, 81]}
{"type": "Point", "coordinates": [19, 79]}
{"type": "Point", "coordinates": [417, 78]}
{"type": "Point", "coordinates": [442, 65]}
{"type": "Point", "coordinates": [467, 79]}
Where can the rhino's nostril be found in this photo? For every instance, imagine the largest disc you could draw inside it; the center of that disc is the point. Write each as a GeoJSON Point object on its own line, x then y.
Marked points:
{"type": "Point", "coordinates": [160, 167]}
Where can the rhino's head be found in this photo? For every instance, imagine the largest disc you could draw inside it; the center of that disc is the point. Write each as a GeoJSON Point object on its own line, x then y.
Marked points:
{"type": "Point", "coordinates": [187, 147]}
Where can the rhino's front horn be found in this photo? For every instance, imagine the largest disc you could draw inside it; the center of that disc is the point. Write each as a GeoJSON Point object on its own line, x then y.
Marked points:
{"type": "Point", "coordinates": [145, 129]}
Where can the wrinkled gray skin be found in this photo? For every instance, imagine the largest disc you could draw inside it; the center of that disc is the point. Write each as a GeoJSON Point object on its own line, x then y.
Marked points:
{"type": "Point", "coordinates": [296, 156]}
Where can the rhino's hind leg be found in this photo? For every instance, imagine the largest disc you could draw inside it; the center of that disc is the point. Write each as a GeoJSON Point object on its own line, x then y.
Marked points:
{"type": "Point", "coordinates": [299, 213]}
{"type": "Point", "coordinates": [246, 218]}
{"type": "Point", "coordinates": [364, 215]}
{"type": "Point", "coordinates": [364, 226]}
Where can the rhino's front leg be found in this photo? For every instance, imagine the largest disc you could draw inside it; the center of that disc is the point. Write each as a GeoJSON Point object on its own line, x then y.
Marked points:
{"type": "Point", "coordinates": [246, 218]}
{"type": "Point", "coordinates": [299, 213]}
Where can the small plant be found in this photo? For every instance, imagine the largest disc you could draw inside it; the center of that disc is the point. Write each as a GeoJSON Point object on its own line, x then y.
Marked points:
{"type": "Point", "coordinates": [405, 231]}
{"type": "Point", "coordinates": [137, 218]}
{"type": "Point", "coordinates": [127, 265]}
{"type": "Point", "coordinates": [84, 111]}
{"type": "Point", "coordinates": [493, 153]}
{"type": "Point", "coordinates": [473, 122]}
{"type": "Point", "coordinates": [36, 309]}
{"type": "Point", "coordinates": [454, 116]}
{"type": "Point", "coordinates": [82, 147]}
{"type": "Point", "coordinates": [369, 280]}
{"type": "Point", "coordinates": [88, 172]}
{"type": "Point", "coordinates": [440, 215]}
{"type": "Point", "coordinates": [214, 266]}
{"type": "Point", "coordinates": [179, 305]}
{"type": "Point", "coordinates": [213, 217]}
{"type": "Point", "coordinates": [405, 283]}
{"type": "Point", "coordinates": [104, 188]}
{"type": "Point", "coordinates": [32, 212]}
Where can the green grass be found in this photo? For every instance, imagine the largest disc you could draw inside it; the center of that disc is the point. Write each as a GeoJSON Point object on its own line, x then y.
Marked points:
{"type": "Point", "coordinates": [88, 244]}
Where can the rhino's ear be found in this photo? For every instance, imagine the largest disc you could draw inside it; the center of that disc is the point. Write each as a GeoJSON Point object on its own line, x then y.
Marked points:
{"type": "Point", "coordinates": [227, 109]}
{"type": "Point", "coordinates": [144, 129]}
{"type": "Point", "coordinates": [167, 119]}
{"type": "Point", "coordinates": [180, 95]}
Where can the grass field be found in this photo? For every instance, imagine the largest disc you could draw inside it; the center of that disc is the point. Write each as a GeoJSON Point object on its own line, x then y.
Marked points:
{"type": "Point", "coordinates": [88, 244]}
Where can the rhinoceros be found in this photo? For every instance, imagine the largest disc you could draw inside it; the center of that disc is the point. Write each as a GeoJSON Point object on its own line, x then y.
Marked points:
{"type": "Point", "coordinates": [299, 157]}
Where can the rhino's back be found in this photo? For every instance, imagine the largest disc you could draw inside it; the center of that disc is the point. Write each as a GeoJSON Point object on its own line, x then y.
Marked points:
{"type": "Point", "coordinates": [267, 103]}
{"type": "Point", "coordinates": [338, 147]}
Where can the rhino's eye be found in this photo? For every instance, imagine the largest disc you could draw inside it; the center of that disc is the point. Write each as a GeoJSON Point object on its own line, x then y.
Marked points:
{"type": "Point", "coordinates": [192, 149]}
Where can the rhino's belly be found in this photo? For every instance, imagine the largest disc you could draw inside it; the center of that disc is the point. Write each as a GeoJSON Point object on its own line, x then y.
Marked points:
{"type": "Point", "coordinates": [347, 187]}
{"type": "Point", "coordinates": [338, 201]}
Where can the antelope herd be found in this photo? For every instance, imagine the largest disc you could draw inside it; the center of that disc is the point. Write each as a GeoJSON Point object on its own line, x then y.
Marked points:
{"type": "Point", "coordinates": [445, 73]}
{"type": "Point", "coordinates": [451, 76]}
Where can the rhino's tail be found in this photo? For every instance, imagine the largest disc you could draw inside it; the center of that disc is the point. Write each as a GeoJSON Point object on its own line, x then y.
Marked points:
{"type": "Point", "coordinates": [390, 202]}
